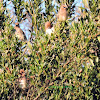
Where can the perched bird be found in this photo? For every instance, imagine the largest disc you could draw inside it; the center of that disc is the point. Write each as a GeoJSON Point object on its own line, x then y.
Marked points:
{"type": "Point", "coordinates": [62, 13]}
{"type": "Point", "coordinates": [22, 79]}
{"type": "Point", "coordinates": [49, 28]}
{"type": "Point", "coordinates": [19, 33]}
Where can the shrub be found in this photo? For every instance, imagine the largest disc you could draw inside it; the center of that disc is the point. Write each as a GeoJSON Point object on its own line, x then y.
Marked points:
{"type": "Point", "coordinates": [64, 65]}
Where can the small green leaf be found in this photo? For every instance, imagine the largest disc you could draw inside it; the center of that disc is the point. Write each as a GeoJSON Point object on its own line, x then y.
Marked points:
{"type": "Point", "coordinates": [92, 62]}
{"type": "Point", "coordinates": [96, 59]}
{"type": "Point", "coordinates": [98, 76]}
{"type": "Point", "coordinates": [29, 44]}
{"type": "Point", "coordinates": [98, 38]}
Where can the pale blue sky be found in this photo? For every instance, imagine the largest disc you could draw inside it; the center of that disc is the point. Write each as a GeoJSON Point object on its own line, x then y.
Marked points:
{"type": "Point", "coordinates": [24, 26]}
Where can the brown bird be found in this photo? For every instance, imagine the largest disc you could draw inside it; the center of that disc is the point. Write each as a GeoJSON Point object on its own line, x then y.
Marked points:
{"type": "Point", "coordinates": [62, 14]}
{"type": "Point", "coordinates": [49, 28]}
{"type": "Point", "coordinates": [19, 33]}
{"type": "Point", "coordinates": [22, 79]}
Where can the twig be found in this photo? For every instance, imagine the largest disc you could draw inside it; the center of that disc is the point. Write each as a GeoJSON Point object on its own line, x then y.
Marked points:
{"type": "Point", "coordinates": [54, 80]}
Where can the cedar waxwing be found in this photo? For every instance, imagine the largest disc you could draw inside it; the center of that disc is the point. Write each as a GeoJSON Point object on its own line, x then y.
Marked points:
{"type": "Point", "coordinates": [22, 79]}
{"type": "Point", "coordinates": [62, 14]}
{"type": "Point", "coordinates": [48, 28]}
{"type": "Point", "coordinates": [19, 33]}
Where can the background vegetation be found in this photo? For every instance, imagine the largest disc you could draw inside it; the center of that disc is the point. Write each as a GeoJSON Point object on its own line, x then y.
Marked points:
{"type": "Point", "coordinates": [63, 66]}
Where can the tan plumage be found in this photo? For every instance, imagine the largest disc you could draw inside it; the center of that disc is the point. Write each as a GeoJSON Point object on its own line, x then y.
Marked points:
{"type": "Point", "coordinates": [19, 33]}
{"type": "Point", "coordinates": [62, 14]}
{"type": "Point", "coordinates": [48, 25]}
{"type": "Point", "coordinates": [49, 28]}
{"type": "Point", "coordinates": [22, 79]}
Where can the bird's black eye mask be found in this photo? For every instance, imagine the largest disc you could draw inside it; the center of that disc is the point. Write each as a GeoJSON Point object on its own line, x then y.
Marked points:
{"type": "Point", "coordinates": [64, 7]}
{"type": "Point", "coordinates": [17, 25]}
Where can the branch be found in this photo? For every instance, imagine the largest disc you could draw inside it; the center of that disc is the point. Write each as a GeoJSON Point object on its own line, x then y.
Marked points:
{"type": "Point", "coordinates": [59, 73]}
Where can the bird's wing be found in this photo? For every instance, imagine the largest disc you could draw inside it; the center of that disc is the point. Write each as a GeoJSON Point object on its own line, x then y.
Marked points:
{"type": "Point", "coordinates": [23, 34]}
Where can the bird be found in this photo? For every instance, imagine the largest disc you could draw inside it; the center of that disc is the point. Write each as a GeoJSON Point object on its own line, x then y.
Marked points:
{"type": "Point", "coordinates": [22, 79]}
{"type": "Point", "coordinates": [49, 28]}
{"type": "Point", "coordinates": [19, 33]}
{"type": "Point", "coordinates": [62, 13]}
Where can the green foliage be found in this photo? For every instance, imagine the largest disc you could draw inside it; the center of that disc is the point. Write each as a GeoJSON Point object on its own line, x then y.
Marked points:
{"type": "Point", "coordinates": [65, 65]}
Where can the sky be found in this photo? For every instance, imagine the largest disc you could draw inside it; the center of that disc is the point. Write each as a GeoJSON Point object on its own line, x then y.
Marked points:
{"type": "Point", "coordinates": [24, 26]}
